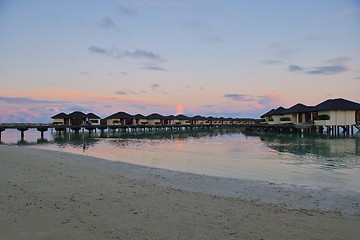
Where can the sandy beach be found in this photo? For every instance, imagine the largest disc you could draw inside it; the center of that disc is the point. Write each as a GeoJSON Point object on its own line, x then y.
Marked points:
{"type": "Point", "coordinates": [53, 195]}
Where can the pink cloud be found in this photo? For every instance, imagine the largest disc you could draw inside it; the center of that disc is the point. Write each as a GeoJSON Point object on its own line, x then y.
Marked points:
{"type": "Point", "coordinates": [257, 105]}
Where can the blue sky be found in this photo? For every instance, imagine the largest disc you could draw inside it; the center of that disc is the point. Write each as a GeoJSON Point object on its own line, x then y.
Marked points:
{"type": "Point", "coordinates": [219, 58]}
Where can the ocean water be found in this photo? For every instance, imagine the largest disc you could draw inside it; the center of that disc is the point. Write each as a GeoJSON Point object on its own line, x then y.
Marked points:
{"type": "Point", "coordinates": [301, 160]}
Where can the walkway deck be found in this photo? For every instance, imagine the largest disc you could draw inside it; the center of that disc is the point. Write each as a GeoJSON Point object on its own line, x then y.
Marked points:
{"type": "Point", "coordinates": [282, 128]}
{"type": "Point", "coordinates": [132, 128]}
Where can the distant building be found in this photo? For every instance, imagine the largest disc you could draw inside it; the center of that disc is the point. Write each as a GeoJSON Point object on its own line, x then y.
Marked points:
{"type": "Point", "coordinates": [75, 118]}
{"type": "Point", "coordinates": [60, 119]}
{"type": "Point", "coordinates": [119, 118]}
{"type": "Point", "coordinates": [140, 119]}
{"type": "Point", "coordinates": [199, 120]}
{"type": "Point", "coordinates": [93, 119]}
{"type": "Point", "coordinates": [182, 119]}
{"type": "Point", "coordinates": [79, 118]}
{"type": "Point", "coordinates": [155, 119]}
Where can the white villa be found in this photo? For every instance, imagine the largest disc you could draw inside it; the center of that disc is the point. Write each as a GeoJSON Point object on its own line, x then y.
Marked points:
{"type": "Point", "coordinates": [332, 112]}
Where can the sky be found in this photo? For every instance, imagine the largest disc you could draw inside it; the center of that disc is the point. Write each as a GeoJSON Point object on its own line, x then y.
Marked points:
{"type": "Point", "coordinates": [230, 58]}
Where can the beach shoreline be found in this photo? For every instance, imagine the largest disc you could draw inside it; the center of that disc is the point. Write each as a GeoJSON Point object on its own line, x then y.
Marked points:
{"type": "Point", "coordinates": [47, 194]}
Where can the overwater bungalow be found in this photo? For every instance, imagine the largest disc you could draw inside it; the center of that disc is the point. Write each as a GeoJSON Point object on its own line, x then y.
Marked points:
{"type": "Point", "coordinates": [215, 121]}
{"type": "Point", "coordinates": [228, 121]}
{"type": "Point", "coordinates": [182, 119]}
{"type": "Point", "coordinates": [248, 121]}
{"type": "Point", "coordinates": [198, 120]}
{"type": "Point", "coordinates": [60, 119]}
{"type": "Point", "coordinates": [119, 118]}
{"type": "Point", "coordinates": [139, 119]}
{"type": "Point", "coordinates": [297, 114]}
{"type": "Point", "coordinates": [337, 112]}
{"type": "Point", "coordinates": [211, 120]}
{"type": "Point", "coordinates": [330, 113]}
{"type": "Point", "coordinates": [77, 118]}
{"type": "Point", "coordinates": [169, 120]}
{"type": "Point", "coordinates": [238, 121]}
{"type": "Point", "coordinates": [273, 116]}
{"type": "Point", "coordinates": [155, 119]}
{"type": "Point", "coordinates": [93, 119]}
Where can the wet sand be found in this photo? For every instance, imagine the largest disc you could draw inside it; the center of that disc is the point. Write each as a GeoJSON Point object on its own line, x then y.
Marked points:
{"type": "Point", "coordinates": [53, 195]}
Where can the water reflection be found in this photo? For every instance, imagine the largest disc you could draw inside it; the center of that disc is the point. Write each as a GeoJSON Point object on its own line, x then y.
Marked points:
{"type": "Point", "coordinates": [296, 159]}
{"type": "Point", "coordinates": [328, 153]}
{"type": "Point", "coordinates": [311, 144]}
{"type": "Point", "coordinates": [80, 141]}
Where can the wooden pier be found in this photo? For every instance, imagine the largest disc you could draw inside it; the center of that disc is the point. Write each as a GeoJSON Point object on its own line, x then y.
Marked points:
{"type": "Point", "coordinates": [280, 128]}
{"type": "Point", "coordinates": [120, 128]}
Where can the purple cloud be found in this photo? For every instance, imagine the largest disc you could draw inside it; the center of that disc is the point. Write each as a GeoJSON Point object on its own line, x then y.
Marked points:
{"type": "Point", "coordinates": [324, 70]}
{"type": "Point", "coordinates": [121, 93]}
{"type": "Point", "coordinates": [239, 97]}
{"type": "Point", "coordinates": [148, 60]}
{"type": "Point", "coordinates": [153, 67]}
{"type": "Point", "coordinates": [327, 70]}
{"type": "Point", "coordinates": [295, 68]}
{"type": "Point", "coordinates": [140, 53]}
{"type": "Point", "coordinates": [272, 62]}
{"type": "Point", "coordinates": [98, 50]}
{"type": "Point", "coordinates": [116, 53]}
{"type": "Point", "coordinates": [107, 23]}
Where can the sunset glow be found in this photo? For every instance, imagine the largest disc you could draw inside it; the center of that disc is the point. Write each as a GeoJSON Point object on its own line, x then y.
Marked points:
{"type": "Point", "coordinates": [179, 109]}
{"type": "Point", "coordinates": [210, 58]}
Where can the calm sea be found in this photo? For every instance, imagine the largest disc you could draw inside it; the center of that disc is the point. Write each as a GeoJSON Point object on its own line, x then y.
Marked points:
{"type": "Point", "coordinates": [302, 160]}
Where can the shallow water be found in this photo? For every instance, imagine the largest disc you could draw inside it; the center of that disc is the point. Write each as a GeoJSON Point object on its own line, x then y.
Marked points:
{"type": "Point", "coordinates": [292, 159]}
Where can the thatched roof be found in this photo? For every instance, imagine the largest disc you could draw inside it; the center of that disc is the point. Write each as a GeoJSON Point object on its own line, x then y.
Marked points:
{"type": "Point", "coordinates": [269, 113]}
{"type": "Point", "coordinates": [298, 108]}
{"type": "Point", "coordinates": [155, 116]}
{"type": "Point", "coordinates": [181, 117]}
{"type": "Point", "coordinates": [92, 116]}
{"type": "Point", "coordinates": [77, 115]}
{"type": "Point", "coordinates": [139, 116]}
{"type": "Point", "coordinates": [337, 104]}
{"type": "Point", "coordinates": [120, 115]}
{"type": "Point", "coordinates": [198, 117]}
{"type": "Point", "coordinates": [330, 104]}
{"type": "Point", "coordinates": [60, 115]}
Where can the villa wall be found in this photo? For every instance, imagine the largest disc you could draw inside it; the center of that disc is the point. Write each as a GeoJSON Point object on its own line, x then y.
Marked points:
{"type": "Point", "coordinates": [117, 121]}
{"type": "Point", "coordinates": [154, 121]}
{"type": "Point", "coordinates": [287, 116]}
{"type": "Point", "coordinates": [113, 122]}
{"type": "Point", "coordinates": [94, 121]}
{"type": "Point", "coordinates": [59, 121]}
{"type": "Point", "coordinates": [276, 119]}
{"type": "Point", "coordinates": [142, 121]}
{"type": "Point", "coordinates": [184, 121]}
{"type": "Point", "coordinates": [338, 117]}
